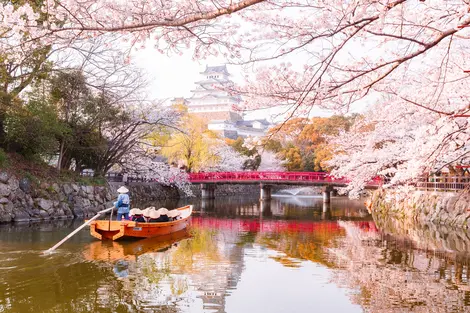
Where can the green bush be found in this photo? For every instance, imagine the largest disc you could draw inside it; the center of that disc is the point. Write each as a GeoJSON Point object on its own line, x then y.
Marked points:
{"type": "Point", "coordinates": [32, 178]}
{"type": "Point", "coordinates": [33, 129]}
{"type": "Point", "coordinates": [91, 181]}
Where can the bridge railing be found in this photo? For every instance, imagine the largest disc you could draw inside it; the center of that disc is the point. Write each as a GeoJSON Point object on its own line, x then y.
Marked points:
{"type": "Point", "coordinates": [443, 183]}
{"type": "Point", "coordinates": [264, 176]}
{"type": "Point", "coordinates": [431, 183]}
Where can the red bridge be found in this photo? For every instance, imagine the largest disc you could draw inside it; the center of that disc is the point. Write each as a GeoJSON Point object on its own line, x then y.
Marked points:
{"type": "Point", "coordinates": [209, 181]}
{"type": "Point", "coordinates": [295, 178]}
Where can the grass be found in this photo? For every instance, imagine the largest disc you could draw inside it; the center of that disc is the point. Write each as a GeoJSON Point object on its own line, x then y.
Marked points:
{"type": "Point", "coordinates": [39, 172]}
{"type": "Point", "coordinates": [4, 161]}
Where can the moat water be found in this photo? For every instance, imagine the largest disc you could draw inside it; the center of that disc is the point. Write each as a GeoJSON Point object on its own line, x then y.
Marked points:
{"type": "Point", "coordinates": [292, 254]}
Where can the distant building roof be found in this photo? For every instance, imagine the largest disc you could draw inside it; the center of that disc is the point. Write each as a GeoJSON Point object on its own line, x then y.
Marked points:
{"type": "Point", "coordinates": [220, 122]}
{"type": "Point", "coordinates": [178, 100]}
{"type": "Point", "coordinates": [235, 98]}
{"type": "Point", "coordinates": [216, 69]}
{"type": "Point", "coordinates": [251, 122]}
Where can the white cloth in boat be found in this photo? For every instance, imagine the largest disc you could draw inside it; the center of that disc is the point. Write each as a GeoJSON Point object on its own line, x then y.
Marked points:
{"type": "Point", "coordinates": [174, 213]}
{"type": "Point", "coordinates": [154, 214]}
{"type": "Point", "coordinates": [135, 211]}
{"type": "Point", "coordinates": [163, 211]}
{"type": "Point", "coordinates": [146, 212]}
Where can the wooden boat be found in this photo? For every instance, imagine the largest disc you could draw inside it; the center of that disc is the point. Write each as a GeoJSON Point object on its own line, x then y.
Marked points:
{"type": "Point", "coordinates": [113, 230]}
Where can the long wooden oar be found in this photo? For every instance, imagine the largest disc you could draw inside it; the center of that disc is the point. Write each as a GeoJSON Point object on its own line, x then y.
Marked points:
{"type": "Point", "coordinates": [78, 229]}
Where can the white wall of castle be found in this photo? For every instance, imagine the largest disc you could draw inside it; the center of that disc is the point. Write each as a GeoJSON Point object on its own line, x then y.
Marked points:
{"type": "Point", "coordinates": [244, 132]}
{"type": "Point", "coordinates": [221, 126]}
{"type": "Point", "coordinates": [209, 108]}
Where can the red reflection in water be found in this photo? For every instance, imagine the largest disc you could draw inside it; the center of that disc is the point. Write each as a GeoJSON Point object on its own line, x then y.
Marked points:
{"type": "Point", "coordinates": [267, 226]}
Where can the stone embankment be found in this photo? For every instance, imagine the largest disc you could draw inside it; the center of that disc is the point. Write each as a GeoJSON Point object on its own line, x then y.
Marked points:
{"type": "Point", "coordinates": [147, 192]}
{"type": "Point", "coordinates": [222, 190]}
{"type": "Point", "coordinates": [445, 208]}
{"type": "Point", "coordinates": [21, 201]}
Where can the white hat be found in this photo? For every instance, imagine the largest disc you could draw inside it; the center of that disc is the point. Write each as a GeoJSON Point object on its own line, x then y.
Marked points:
{"type": "Point", "coordinates": [132, 211]}
{"type": "Point", "coordinates": [123, 189]}
{"type": "Point", "coordinates": [174, 213]}
{"type": "Point", "coordinates": [138, 212]}
{"type": "Point", "coordinates": [146, 212]}
{"type": "Point", "coordinates": [154, 214]}
{"type": "Point", "coordinates": [163, 211]}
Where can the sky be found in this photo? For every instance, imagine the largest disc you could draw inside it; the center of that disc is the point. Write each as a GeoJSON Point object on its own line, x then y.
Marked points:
{"type": "Point", "coordinates": [174, 76]}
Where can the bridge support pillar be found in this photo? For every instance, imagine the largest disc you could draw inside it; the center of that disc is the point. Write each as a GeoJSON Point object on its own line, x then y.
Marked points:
{"type": "Point", "coordinates": [265, 192]}
{"type": "Point", "coordinates": [326, 192]}
{"type": "Point", "coordinates": [207, 205]}
{"type": "Point", "coordinates": [207, 191]}
{"type": "Point", "coordinates": [265, 208]}
{"type": "Point", "coordinates": [326, 212]}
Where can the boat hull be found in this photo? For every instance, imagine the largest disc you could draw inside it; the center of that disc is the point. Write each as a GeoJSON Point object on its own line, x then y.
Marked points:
{"type": "Point", "coordinates": [114, 230]}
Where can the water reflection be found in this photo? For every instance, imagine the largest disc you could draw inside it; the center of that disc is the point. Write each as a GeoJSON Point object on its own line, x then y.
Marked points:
{"type": "Point", "coordinates": [393, 272]}
{"type": "Point", "coordinates": [280, 207]}
{"type": "Point", "coordinates": [241, 255]}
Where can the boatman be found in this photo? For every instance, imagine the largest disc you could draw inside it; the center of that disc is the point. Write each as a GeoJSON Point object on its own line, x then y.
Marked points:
{"type": "Point", "coordinates": [122, 203]}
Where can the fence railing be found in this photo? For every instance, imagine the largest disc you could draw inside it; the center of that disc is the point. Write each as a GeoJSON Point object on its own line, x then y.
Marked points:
{"type": "Point", "coordinates": [432, 183]}
{"type": "Point", "coordinates": [443, 183]}
{"type": "Point", "coordinates": [119, 177]}
{"type": "Point", "coordinates": [240, 177]}
{"type": "Point", "coordinates": [263, 176]}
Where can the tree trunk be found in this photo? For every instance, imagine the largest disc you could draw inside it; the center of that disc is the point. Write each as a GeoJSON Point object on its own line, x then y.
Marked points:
{"type": "Point", "coordinates": [5, 102]}
{"type": "Point", "coordinates": [61, 155]}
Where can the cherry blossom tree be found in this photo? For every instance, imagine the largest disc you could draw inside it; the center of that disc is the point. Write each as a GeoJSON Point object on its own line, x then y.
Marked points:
{"type": "Point", "coordinates": [269, 159]}
{"type": "Point", "coordinates": [146, 166]}
{"type": "Point", "coordinates": [127, 145]}
{"type": "Point", "coordinates": [227, 158]}
{"type": "Point", "coordinates": [403, 58]}
{"type": "Point", "coordinates": [270, 162]}
{"type": "Point", "coordinates": [401, 143]}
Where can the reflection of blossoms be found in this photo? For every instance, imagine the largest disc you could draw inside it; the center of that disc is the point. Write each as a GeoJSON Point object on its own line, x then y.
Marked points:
{"type": "Point", "coordinates": [206, 265]}
{"type": "Point", "coordinates": [390, 278]}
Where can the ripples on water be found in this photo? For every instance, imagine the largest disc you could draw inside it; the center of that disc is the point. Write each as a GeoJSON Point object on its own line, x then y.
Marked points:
{"type": "Point", "coordinates": [290, 255]}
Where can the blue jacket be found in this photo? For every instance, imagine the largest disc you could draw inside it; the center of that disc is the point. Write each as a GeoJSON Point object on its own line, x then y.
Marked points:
{"type": "Point", "coordinates": [122, 203]}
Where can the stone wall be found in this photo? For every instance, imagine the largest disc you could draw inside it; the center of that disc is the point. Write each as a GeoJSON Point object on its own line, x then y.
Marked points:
{"type": "Point", "coordinates": [21, 201]}
{"type": "Point", "coordinates": [228, 190]}
{"type": "Point", "coordinates": [146, 192]}
{"type": "Point", "coordinates": [445, 208]}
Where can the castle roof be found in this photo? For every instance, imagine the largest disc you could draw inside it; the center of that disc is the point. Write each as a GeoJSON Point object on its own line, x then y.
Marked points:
{"type": "Point", "coordinates": [214, 96]}
{"type": "Point", "coordinates": [213, 81]}
{"type": "Point", "coordinates": [220, 122]}
{"type": "Point", "coordinates": [178, 100]}
{"type": "Point", "coordinates": [250, 123]}
{"type": "Point", "coordinates": [222, 69]}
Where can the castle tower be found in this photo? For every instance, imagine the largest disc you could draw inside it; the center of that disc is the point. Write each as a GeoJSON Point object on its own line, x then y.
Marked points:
{"type": "Point", "coordinates": [210, 101]}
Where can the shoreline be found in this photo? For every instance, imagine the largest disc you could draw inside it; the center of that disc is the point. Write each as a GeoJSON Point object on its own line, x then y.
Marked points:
{"type": "Point", "coordinates": [423, 207]}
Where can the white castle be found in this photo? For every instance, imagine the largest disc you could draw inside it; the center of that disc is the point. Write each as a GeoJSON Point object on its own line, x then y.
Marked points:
{"type": "Point", "coordinates": [219, 108]}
